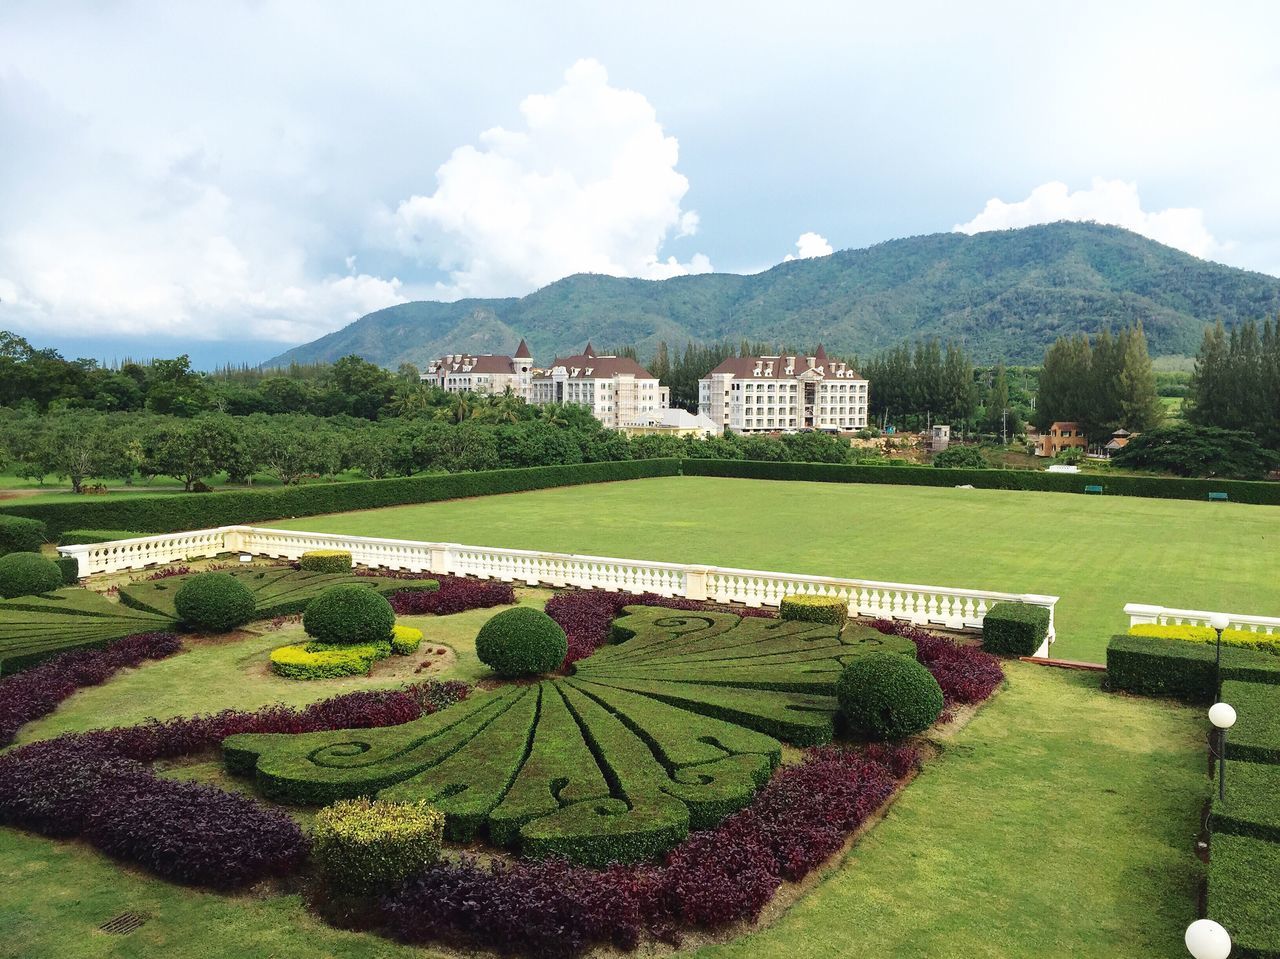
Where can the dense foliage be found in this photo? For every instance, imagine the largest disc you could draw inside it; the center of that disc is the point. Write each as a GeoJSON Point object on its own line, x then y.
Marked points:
{"type": "Point", "coordinates": [1185, 449]}
{"type": "Point", "coordinates": [39, 690]}
{"type": "Point", "coordinates": [454, 594]}
{"type": "Point", "coordinates": [1236, 383]}
{"type": "Point", "coordinates": [325, 561]}
{"type": "Point", "coordinates": [349, 613]}
{"type": "Point", "coordinates": [21, 535]}
{"type": "Point", "coordinates": [364, 846]}
{"type": "Point", "coordinates": [814, 609]}
{"type": "Point", "coordinates": [1244, 638]}
{"type": "Point", "coordinates": [961, 457]}
{"type": "Point", "coordinates": [1148, 666]}
{"type": "Point", "coordinates": [26, 574]}
{"type": "Point", "coordinates": [884, 696]}
{"type": "Point", "coordinates": [1014, 629]}
{"type": "Point", "coordinates": [214, 602]}
{"type": "Point", "coordinates": [1243, 894]}
{"type": "Point", "coordinates": [521, 642]}
{"type": "Point", "coordinates": [1104, 382]}
{"type": "Point", "coordinates": [326, 661]}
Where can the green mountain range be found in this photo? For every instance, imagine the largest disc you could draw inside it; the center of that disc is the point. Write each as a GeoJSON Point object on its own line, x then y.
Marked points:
{"type": "Point", "coordinates": [1006, 295]}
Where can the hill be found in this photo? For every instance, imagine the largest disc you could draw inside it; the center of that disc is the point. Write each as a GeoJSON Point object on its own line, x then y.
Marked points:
{"type": "Point", "coordinates": [1006, 294]}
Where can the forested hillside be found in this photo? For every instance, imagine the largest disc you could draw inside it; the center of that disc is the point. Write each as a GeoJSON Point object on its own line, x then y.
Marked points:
{"type": "Point", "coordinates": [1005, 295]}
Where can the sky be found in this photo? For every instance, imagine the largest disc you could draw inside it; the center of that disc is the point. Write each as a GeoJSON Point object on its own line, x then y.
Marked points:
{"type": "Point", "coordinates": [228, 179]}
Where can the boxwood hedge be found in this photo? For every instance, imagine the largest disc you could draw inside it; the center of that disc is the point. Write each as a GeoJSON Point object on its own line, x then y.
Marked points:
{"type": "Point", "coordinates": [1252, 806]}
{"type": "Point", "coordinates": [1256, 735]}
{"type": "Point", "coordinates": [1014, 629]}
{"type": "Point", "coordinates": [81, 537]}
{"type": "Point", "coordinates": [1181, 670]}
{"type": "Point", "coordinates": [364, 846]}
{"type": "Point", "coordinates": [21, 535]}
{"type": "Point", "coordinates": [814, 609]}
{"type": "Point", "coordinates": [1244, 895]}
{"type": "Point", "coordinates": [1158, 487]}
{"type": "Point", "coordinates": [165, 514]}
{"type": "Point", "coordinates": [27, 574]}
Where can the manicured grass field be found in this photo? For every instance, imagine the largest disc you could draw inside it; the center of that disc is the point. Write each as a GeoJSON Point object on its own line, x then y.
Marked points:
{"type": "Point", "coordinates": [1058, 822]}
{"type": "Point", "coordinates": [1095, 552]}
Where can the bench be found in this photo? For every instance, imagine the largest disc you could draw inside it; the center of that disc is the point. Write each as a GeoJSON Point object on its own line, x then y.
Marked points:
{"type": "Point", "coordinates": [1097, 490]}
{"type": "Point", "coordinates": [1217, 497]}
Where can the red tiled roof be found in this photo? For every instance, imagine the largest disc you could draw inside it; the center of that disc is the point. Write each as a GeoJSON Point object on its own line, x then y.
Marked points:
{"type": "Point", "coordinates": [601, 367]}
{"type": "Point", "coordinates": [522, 351]}
{"type": "Point", "coordinates": [774, 367]}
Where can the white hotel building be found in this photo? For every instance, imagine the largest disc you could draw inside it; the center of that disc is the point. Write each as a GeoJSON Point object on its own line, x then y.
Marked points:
{"type": "Point", "coordinates": [618, 390]}
{"type": "Point", "coordinates": [767, 394]}
{"type": "Point", "coordinates": [487, 373]}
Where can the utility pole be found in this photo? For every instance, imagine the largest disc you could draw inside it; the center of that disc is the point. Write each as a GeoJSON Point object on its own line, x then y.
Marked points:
{"type": "Point", "coordinates": [1004, 426]}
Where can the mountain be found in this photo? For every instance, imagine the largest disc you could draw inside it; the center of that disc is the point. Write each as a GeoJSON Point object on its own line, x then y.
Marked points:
{"type": "Point", "coordinates": [1006, 294]}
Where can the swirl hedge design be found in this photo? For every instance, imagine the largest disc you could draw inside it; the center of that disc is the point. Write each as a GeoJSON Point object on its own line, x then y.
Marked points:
{"type": "Point", "coordinates": [671, 728]}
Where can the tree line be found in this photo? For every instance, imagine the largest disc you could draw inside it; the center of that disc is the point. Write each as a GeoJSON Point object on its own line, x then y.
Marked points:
{"type": "Point", "coordinates": [1236, 381]}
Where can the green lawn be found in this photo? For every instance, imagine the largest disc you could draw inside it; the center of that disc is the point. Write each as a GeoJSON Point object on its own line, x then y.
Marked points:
{"type": "Point", "coordinates": [1096, 552]}
{"type": "Point", "coordinates": [1058, 822]}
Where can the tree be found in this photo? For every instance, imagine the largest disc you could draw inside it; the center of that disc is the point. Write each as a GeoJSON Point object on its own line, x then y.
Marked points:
{"type": "Point", "coordinates": [78, 446]}
{"type": "Point", "coordinates": [1000, 417]}
{"type": "Point", "coordinates": [1139, 403]}
{"type": "Point", "coordinates": [961, 457]}
{"type": "Point", "coordinates": [1186, 449]}
{"type": "Point", "coordinates": [192, 449]}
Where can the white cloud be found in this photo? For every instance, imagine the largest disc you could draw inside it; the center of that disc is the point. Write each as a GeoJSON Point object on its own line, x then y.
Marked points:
{"type": "Point", "coordinates": [587, 184]}
{"type": "Point", "coordinates": [1115, 202]}
{"type": "Point", "coordinates": [809, 245]}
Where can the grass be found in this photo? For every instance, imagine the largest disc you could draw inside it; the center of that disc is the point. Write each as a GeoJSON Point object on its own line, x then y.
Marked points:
{"type": "Point", "coordinates": [1055, 803]}
{"type": "Point", "coordinates": [1095, 552]}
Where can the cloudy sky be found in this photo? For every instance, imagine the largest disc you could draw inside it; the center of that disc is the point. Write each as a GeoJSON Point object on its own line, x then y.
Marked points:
{"type": "Point", "coordinates": [224, 178]}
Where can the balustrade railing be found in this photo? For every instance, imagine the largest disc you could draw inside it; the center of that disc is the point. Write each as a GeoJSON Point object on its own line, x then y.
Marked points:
{"type": "Point", "coordinates": [956, 609]}
{"type": "Point", "coordinates": [1140, 614]}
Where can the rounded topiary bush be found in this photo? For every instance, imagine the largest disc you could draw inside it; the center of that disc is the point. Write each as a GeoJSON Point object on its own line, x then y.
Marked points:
{"type": "Point", "coordinates": [365, 846]}
{"type": "Point", "coordinates": [21, 535]}
{"type": "Point", "coordinates": [325, 561]}
{"type": "Point", "coordinates": [405, 640]}
{"type": "Point", "coordinates": [349, 613]}
{"type": "Point", "coordinates": [521, 642]}
{"type": "Point", "coordinates": [323, 661]}
{"type": "Point", "coordinates": [25, 574]}
{"type": "Point", "coordinates": [214, 602]}
{"type": "Point", "coordinates": [814, 609]}
{"type": "Point", "coordinates": [888, 696]}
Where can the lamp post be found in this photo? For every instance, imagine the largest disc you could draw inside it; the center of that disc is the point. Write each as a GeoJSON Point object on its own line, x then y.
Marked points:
{"type": "Point", "coordinates": [1223, 717]}
{"type": "Point", "coordinates": [1219, 622]}
{"type": "Point", "coordinates": [1206, 939]}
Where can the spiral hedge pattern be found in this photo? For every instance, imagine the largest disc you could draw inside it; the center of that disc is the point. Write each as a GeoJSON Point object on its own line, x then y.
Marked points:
{"type": "Point", "coordinates": [671, 728]}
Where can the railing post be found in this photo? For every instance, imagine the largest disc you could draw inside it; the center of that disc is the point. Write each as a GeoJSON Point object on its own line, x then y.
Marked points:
{"type": "Point", "coordinates": [1035, 599]}
{"type": "Point", "coordinates": [695, 582]}
{"type": "Point", "coordinates": [1140, 613]}
{"type": "Point", "coordinates": [440, 558]}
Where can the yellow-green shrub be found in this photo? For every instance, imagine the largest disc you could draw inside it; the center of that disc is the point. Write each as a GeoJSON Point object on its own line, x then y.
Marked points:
{"type": "Point", "coordinates": [325, 561]}
{"type": "Point", "coordinates": [814, 609]}
{"type": "Point", "coordinates": [1243, 638]}
{"type": "Point", "coordinates": [365, 846]}
{"type": "Point", "coordinates": [405, 639]}
{"type": "Point", "coordinates": [326, 661]}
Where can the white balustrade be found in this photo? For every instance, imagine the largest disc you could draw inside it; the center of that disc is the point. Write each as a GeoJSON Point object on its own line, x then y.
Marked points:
{"type": "Point", "coordinates": [1140, 614]}
{"type": "Point", "coordinates": [956, 609]}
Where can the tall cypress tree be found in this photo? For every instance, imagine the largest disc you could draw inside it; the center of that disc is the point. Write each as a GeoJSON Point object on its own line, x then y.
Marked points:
{"type": "Point", "coordinates": [1139, 404]}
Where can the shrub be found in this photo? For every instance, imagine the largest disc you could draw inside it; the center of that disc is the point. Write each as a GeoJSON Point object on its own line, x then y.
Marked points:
{"type": "Point", "coordinates": [81, 537]}
{"type": "Point", "coordinates": [1256, 735]}
{"type": "Point", "coordinates": [814, 609]}
{"type": "Point", "coordinates": [1250, 808]}
{"type": "Point", "coordinates": [214, 602]}
{"type": "Point", "coordinates": [449, 595]}
{"type": "Point", "coordinates": [884, 696]}
{"type": "Point", "coordinates": [27, 574]}
{"type": "Point", "coordinates": [1181, 670]}
{"type": "Point", "coordinates": [326, 661]}
{"type": "Point", "coordinates": [350, 613]}
{"type": "Point", "coordinates": [405, 640]}
{"type": "Point", "coordinates": [521, 642]}
{"type": "Point", "coordinates": [21, 535]}
{"type": "Point", "coordinates": [69, 566]}
{"type": "Point", "coordinates": [1014, 629]}
{"type": "Point", "coordinates": [966, 674]}
{"type": "Point", "coordinates": [363, 846]}
{"type": "Point", "coordinates": [1243, 638]}
{"type": "Point", "coordinates": [961, 457]}
{"type": "Point", "coordinates": [325, 561]}
{"type": "Point", "coordinates": [1243, 893]}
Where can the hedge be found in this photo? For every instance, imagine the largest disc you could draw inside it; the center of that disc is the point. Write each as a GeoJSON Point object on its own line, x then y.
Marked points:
{"type": "Point", "coordinates": [814, 609]}
{"type": "Point", "coordinates": [1244, 895]}
{"type": "Point", "coordinates": [405, 640]}
{"type": "Point", "coordinates": [70, 567]}
{"type": "Point", "coordinates": [1256, 735]}
{"type": "Point", "coordinates": [1157, 487]}
{"type": "Point", "coordinates": [165, 514]}
{"type": "Point", "coordinates": [364, 846]}
{"type": "Point", "coordinates": [21, 535]}
{"type": "Point", "coordinates": [1243, 638]}
{"type": "Point", "coordinates": [1252, 807]}
{"type": "Point", "coordinates": [349, 613]}
{"type": "Point", "coordinates": [325, 561]}
{"type": "Point", "coordinates": [323, 661]}
{"type": "Point", "coordinates": [521, 642]}
{"type": "Point", "coordinates": [27, 574]}
{"type": "Point", "coordinates": [1014, 629]}
{"type": "Point", "coordinates": [84, 537]}
{"type": "Point", "coordinates": [214, 602]}
{"type": "Point", "coordinates": [1181, 670]}
{"type": "Point", "coordinates": [886, 696]}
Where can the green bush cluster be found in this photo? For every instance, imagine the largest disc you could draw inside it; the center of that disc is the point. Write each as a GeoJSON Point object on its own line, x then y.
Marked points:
{"type": "Point", "coordinates": [1181, 670]}
{"type": "Point", "coordinates": [325, 561]}
{"type": "Point", "coordinates": [21, 535]}
{"type": "Point", "coordinates": [1243, 638]}
{"type": "Point", "coordinates": [325, 661]}
{"type": "Point", "coordinates": [27, 574]}
{"type": "Point", "coordinates": [70, 568]}
{"type": "Point", "coordinates": [1243, 893]}
{"type": "Point", "coordinates": [521, 642]}
{"type": "Point", "coordinates": [1252, 806]}
{"type": "Point", "coordinates": [214, 602]}
{"type": "Point", "coordinates": [82, 537]}
{"type": "Point", "coordinates": [164, 514]}
{"type": "Point", "coordinates": [1014, 629]}
{"type": "Point", "coordinates": [1156, 487]}
{"type": "Point", "coordinates": [886, 696]}
{"type": "Point", "coordinates": [1256, 735]}
{"type": "Point", "coordinates": [351, 613]}
{"type": "Point", "coordinates": [366, 846]}
{"type": "Point", "coordinates": [405, 640]}
{"type": "Point", "coordinates": [814, 609]}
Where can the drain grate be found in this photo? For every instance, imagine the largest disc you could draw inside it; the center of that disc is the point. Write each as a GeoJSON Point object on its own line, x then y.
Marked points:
{"type": "Point", "coordinates": [124, 923]}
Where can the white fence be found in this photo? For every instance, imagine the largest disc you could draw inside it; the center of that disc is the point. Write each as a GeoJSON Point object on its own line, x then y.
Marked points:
{"type": "Point", "coordinates": [959, 609]}
{"type": "Point", "coordinates": [1140, 614]}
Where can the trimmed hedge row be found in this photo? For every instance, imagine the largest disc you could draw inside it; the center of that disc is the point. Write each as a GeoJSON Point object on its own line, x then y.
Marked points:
{"type": "Point", "coordinates": [1156, 487]}
{"type": "Point", "coordinates": [1253, 802]}
{"type": "Point", "coordinates": [1242, 638]}
{"type": "Point", "coordinates": [1014, 629]}
{"type": "Point", "coordinates": [1244, 895]}
{"type": "Point", "coordinates": [325, 561]}
{"type": "Point", "coordinates": [1181, 670]}
{"type": "Point", "coordinates": [180, 512]}
{"type": "Point", "coordinates": [814, 609]}
{"type": "Point", "coordinates": [87, 537]}
{"type": "Point", "coordinates": [363, 846]}
{"type": "Point", "coordinates": [21, 535]}
{"type": "Point", "coordinates": [1256, 735]}
{"type": "Point", "coordinates": [325, 661]}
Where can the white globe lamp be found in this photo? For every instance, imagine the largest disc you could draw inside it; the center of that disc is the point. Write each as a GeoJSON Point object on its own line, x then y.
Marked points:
{"type": "Point", "coordinates": [1222, 715]}
{"type": "Point", "coordinates": [1207, 940]}
{"type": "Point", "coordinates": [1219, 621]}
